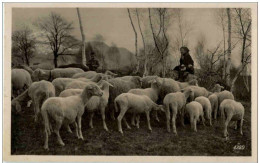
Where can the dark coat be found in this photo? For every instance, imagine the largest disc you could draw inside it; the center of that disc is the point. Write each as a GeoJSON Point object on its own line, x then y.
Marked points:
{"type": "Point", "coordinates": [93, 64]}
{"type": "Point", "coordinates": [186, 60]}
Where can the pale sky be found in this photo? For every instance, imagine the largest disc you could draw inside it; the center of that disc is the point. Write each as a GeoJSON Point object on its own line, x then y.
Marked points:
{"type": "Point", "coordinates": [114, 24]}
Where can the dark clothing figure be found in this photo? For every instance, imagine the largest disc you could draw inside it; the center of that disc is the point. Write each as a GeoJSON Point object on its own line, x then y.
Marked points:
{"type": "Point", "coordinates": [186, 64]}
{"type": "Point", "coordinates": [93, 64]}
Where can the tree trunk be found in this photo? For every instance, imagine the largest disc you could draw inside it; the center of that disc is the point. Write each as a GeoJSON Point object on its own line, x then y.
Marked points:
{"type": "Point", "coordinates": [232, 87]}
{"type": "Point", "coordinates": [145, 55]}
{"type": "Point", "coordinates": [83, 39]}
{"type": "Point", "coordinates": [55, 60]}
{"type": "Point", "coordinates": [27, 60]}
{"type": "Point", "coordinates": [136, 54]}
{"type": "Point", "coordinates": [224, 52]}
{"type": "Point", "coordinates": [229, 49]}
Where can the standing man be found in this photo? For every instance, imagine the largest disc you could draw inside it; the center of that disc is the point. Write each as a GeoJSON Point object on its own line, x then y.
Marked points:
{"type": "Point", "coordinates": [186, 64]}
{"type": "Point", "coordinates": [93, 64]}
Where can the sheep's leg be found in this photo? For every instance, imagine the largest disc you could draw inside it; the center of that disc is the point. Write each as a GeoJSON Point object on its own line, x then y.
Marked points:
{"type": "Point", "coordinates": [174, 123]}
{"type": "Point", "coordinates": [191, 121]}
{"type": "Point", "coordinates": [91, 119]}
{"type": "Point", "coordinates": [182, 116]}
{"type": "Point", "coordinates": [138, 120]}
{"type": "Point", "coordinates": [133, 119]}
{"type": "Point", "coordinates": [167, 114]}
{"type": "Point", "coordinates": [210, 122]}
{"type": "Point", "coordinates": [203, 120]}
{"type": "Point", "coordinates": [241, 124]}
{"type": "Point", "coordinates": [215, 112]}
{"type": "Point", "coordinates": [36, 109]}
{"type": "Point", "coordinates": [79, 128]}
{"type": "Point", "coordinates": [68, 128]}
{"type": "Point", "coordinates": [119, 119]}
{"type": "Point", "coordinates": [112, 114]}
{"type": "Point", "coordinates": [148, 120]}
{"type": "Point", "coordinates": [226, 125]}
{"type": "Point", "coordinates": [56, 131]}
{"type": "Point", "coordinates": [46, 139]}
{"type": "Point", "coordinates": [195, 124]}
{"type": "Point", "coordinates": [104, 118]}
{"type": "Point", "coordinates": [127, 125]}
{"type": "Point", "coordinates": [156, 116]}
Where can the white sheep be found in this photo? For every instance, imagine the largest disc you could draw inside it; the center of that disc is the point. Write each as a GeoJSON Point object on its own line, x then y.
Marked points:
{"type": "Point", "coordinates": [61, 83]}
{"type": "Point", "coordinates": [198, 91]}
{"type": "Point", "coordinates": [146, 81]}
{"type": "Point", "coordinates": [21, 79]}
{"type": "Point", "coordinates": [231, 111]}
{"type": "Point", "coordinates": [193, 82]}
{"type": "Point", "coordinates": [213, 98]}
{"type": "Point", "coordinates": [16, 102]}
{"type": "Point", "coordinates": [167, 85]}
{"type": "Point", "coordinates": [95, 102]}
{"type": "Point", "coordinates": [195, 111]}
{"type": "Point", "coordinates": [121, 86]}
{"type": "Point", "coordinates": [39, 92]}
{"type": "Point", "coordinates": [40, 74]}
{"type": "Point", "coordinates": [175, 102]}
{"type": "Point", "coordinates": [92, 74]}
{"type": "Point", "coordinates": [136, 104]}
{"type": "Point", "coordinates": [206, 105]}
{"type": "Point", "coordinates": [152, 93]}
{"type": "Point", "coordinates": [65, 110]}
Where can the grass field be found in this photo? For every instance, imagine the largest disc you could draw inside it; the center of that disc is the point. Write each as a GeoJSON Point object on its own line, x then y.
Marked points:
{"type": "Point", "coordinates": [27, 138]}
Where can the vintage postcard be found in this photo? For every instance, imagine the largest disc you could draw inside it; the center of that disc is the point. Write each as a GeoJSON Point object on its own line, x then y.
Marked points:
{"type": "Point", "coordinates": [130, 82]}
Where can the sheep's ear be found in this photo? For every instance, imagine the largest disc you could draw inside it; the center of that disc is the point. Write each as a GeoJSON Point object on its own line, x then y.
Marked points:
{"type": "Point", "coordinates": [221, 87]}
{"type": "Point", "coordinates": [110, 84]}
{"type": "Point", "coordinates": [182, 90]}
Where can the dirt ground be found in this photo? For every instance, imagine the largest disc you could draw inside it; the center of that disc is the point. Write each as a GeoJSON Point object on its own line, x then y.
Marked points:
{"type": "Point", "coordinates": [27, 138]}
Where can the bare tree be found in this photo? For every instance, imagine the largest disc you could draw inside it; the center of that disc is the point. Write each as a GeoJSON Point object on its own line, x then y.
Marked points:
{"type": "Point", "coordinates": [57, 33]}
{"type": "Point", "coordinates": [136, 48]}
{"type": "Point", "coordinates": [160, 39]}
{"type": "Point", "coordinates": [184, 28]}
{"type": "Point", "coordinates": [83, 39]}
{"type": "Point", "coordinates": [144, 46]}
{"type": "Point", "coordinates": [229, 48]}
{"type": "Point", "coordinates": [24, 43]}
{"type": "Point", "coordinates": [222, 21]}
{"type": "Point", "coordinates": [243, 24]}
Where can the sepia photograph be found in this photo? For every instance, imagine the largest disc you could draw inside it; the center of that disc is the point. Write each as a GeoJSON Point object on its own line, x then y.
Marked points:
{"type": "Point", "coordinates": [162, 79]}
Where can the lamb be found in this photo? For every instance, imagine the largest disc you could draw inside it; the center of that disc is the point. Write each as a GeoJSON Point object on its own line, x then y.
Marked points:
{"type": "Point", "coordinates": [75, 65]}
{"type": "Point", "coordinates": [175, 102]}
{"type": "Point", "coordinates": [146, 81]}
{"type": "Point", "coordinates": [16, 102]}
{"type": "Point", "coordinates": [39, 92]}
{"type": "Point", "coordinates": [136, 104]}
{"type": "Point", "coordinates": [213, 98]}
{"type": "Point", "coordinates": [40, 74]}
{"type": "Point", "coordinates": [92, 74]}
{"type": "Point", "coordinates": [231, 111]}
{"type": "Point", "coordinates": [61, 83]}
{"type": "Point", "coordinates": [21, 79]}
{"type": "Point", "coordinates": [25, 67]}
{"type": "Point", "coordinates": [152, 93]}
{"type": "Point", "coordinates": [205, 103]}
{"type": "Point", "coordinates": [193, 82]}
{"type": "Point", "coordinates": [95, 102]}
{"type": "Point", "coordinates": [195, 111]}
{"type": "Point", "coordinates": [198, 91]}
{"type": "Point", "coordinates": [65, 110]}
{"type": "Point", "coordinates": [167, 86]}
{"type": "Point", "coordinates": [121, 86]}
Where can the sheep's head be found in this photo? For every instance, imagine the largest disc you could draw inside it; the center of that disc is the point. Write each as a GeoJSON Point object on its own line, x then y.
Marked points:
{"type": "Point", "coordinates": [137, 80]}
{"type": "Point", "coordinates": [218, 88]}
{"type": "Point", "coordinates": [91, 90]}
{"type": "Point", "coordinates": [37, 73]}
{"type": "Point", "coordinates": [110, 74]}
{"type": "Point", "coordinates": [193, 82]}
{"type": "Point", "coordinates": [104, 84]}
{"type": "Point", "coordinates": [158, 107]}
{"type": "Point", "coordinates": [16, 107]}
{"type": "Point", "coordinates": [189, 93]}
{"type": "Point", "coordinates": [154, 84]}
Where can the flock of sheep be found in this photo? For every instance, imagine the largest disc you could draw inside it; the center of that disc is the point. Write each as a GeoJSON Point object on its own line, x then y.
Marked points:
{"type": "Point", "coordinates": [62, 95]}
